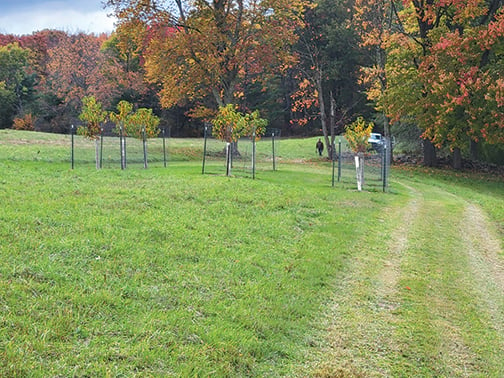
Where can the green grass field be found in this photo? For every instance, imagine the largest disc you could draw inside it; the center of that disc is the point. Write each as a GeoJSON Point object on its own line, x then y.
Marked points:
{"type": "Point", "coordinates": [168, 272]}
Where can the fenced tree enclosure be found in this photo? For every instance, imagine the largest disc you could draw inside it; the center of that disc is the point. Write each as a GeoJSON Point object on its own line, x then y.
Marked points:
{"type": "Point", "coordinates": [243, 157]}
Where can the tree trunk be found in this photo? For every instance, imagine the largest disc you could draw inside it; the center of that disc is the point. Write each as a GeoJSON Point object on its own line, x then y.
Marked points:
{"type": "Point", "coordinates": [457, 159]}
{"type": "Point", "coordinates": [359, 170]}
{"type": "Point", "coordinates": [388, 136]}
{"type": "Point", "coordinates": [474, 150]}
{"type": "Point", "coordinates": [97, 152]}
{"type": "Point", "coordinates": [429, 154]}
{"type": "Point", "coordinates": [332, 125]}
{"type": "Point", "coordinates": [234, 147]}
{"type": "Point", "coordinates": [323, 113]}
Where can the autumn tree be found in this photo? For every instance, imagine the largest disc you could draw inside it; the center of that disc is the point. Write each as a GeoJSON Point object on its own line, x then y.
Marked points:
{"type": "Point", "coordinates": [7, 106]}
{"type": "Point", "coordinates": [122, 117]}
{"type": "Point", "coordinates": [229, 124]}
{"type": "Point", "coordinates": [441, 60]}
{"type": "Point", "coordinates": [143, 124]}
{"type": "Point", "coordinates": [357, 134]}
{"type": "Point", "coordinates": [327, 73]}
{"type": "Point", "coordinates": [463, 81]}
{"type": "Point", "coordinates": [93, 116]}
{"type": "Point", "coordinates": [74, 72]}
{"type": "Point", "coordinates": [123, 68]}
{"type": "Point", "coordinates": [121, 120]}
{"type": "Point", "coordinates": [16, 79]}
{"type": "Point", "coordinates": [201, 51]}
{"type": "Point", "coordinates": [375, 21]}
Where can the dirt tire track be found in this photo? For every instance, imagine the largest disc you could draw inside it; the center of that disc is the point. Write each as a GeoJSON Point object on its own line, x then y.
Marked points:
{"type": "Point", "coordinates": [389, 275]}
{"type": "Point", "coordinates": [362, 320]}
{"type": "Point", "coordinates": [485, 255]}
{"type": "Point", "coordinates": [347, 339]}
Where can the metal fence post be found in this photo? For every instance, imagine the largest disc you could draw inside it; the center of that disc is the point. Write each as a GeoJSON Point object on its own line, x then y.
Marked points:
{"type": "Point", "coordinates": [164, 147]}
{"type": "Point", "coordinates": [72, 137]}
{"type": "Point", "coordinates": [101, 148]}
{"type": "Point", "coordinates": [144, 142]}
{"type": "Point", "coordinates": [384, 170]}
{"type": "Point", "coordinates": [333, 157]}
{"type": "Point", "coordinates": [253, 154]}
{"type": "Point", "coordinates": [339, 160]}
{"type": "Point", "coordinates": [204, 149]}
{"type": "Point", "coordinates": [273, 147]}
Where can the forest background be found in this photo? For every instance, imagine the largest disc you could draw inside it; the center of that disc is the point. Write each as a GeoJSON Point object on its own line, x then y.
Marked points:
{"type": "Point", "coordinates": [428, 73]}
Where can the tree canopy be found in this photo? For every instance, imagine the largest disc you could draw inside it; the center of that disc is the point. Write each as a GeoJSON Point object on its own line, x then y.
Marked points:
{"type": "Point", "coordinates": [440, 67]}
{"type": "Point", "coordinates": [213, 49]}
{"type": "Point", "coordinates": [434, 66]}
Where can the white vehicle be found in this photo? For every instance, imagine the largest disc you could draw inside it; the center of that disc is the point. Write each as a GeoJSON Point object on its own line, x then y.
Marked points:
{"type": "Point", "coordinates": [376, 141]}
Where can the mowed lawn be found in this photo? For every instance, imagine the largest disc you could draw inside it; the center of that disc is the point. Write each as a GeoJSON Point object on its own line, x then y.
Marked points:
{"type": "Point", "coordinates": [168, 272]}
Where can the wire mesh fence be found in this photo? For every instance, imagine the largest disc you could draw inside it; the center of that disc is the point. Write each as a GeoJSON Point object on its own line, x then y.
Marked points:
{"type": "Point", "coordinates": [250, 158]}
{"type": "Point", "coordinates": [117, 151]}
{"type": "Point", "coordinates": [376, 160]}
{"type": "Point", "coordinates": [243, 158]}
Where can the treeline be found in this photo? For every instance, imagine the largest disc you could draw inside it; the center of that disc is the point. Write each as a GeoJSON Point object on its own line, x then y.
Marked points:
{"type": "Point", "coordinates": [45, 76]}
{"type": "Point", "coordinates": [428, 74]}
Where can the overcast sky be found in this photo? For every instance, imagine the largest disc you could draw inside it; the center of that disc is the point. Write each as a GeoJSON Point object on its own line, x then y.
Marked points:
{"type": "Point", "coordinates": [27, 16]}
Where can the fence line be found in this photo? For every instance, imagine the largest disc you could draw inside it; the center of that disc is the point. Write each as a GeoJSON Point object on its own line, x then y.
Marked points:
{"type": "Point", "coordinates": [270, 153]}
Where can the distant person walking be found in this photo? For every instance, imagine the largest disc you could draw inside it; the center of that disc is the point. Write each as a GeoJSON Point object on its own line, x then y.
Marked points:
{"type": "Point", "coordinates": [320, 147]}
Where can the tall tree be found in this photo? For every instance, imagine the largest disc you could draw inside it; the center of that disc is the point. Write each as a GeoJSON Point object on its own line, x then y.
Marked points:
{"type": "Point", "coordinates": [206, 50]}
{"type": "Point", "coordinates": [442, 60]}
{"type": "Point", "coordinates": [327, 74]}
{"type": "Point", "coordinates": [123, 71]}
{"type": "Point", "coordinates": [74, 71]}
{"type": "Point", "coordinates": [14, 73]}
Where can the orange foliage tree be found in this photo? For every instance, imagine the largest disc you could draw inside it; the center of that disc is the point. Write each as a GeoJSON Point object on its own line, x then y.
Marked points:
{"type": "Point", "coordinates": [441, 69]}
{"type": "Point", "coordinates": [205, 51]}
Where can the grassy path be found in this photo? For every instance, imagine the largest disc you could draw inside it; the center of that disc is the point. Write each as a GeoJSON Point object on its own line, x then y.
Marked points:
{"type": "Point", "coordinates": [425, 297]}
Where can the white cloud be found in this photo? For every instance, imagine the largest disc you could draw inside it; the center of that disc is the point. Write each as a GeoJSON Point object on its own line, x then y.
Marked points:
{"type": "Point", "coordinates": [27, 21]}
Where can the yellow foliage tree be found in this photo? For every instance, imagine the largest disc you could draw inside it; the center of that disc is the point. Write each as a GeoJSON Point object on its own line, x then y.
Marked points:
{"type": "Point", "coordinates": [210, 48]}
{"type": "Point", "coordinates": [357, 135]}
{"type": "Point", "coordinates": [229, 124]}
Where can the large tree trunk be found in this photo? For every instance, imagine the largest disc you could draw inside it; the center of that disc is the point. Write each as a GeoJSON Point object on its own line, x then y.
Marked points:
{"type": "Point", "coordinates": [474, 150]}
{"type": "Point", "coordinates": [457, 158]}
{"type": "Point", "coordinates": [429, 154]}
{"type": "Point", "coordinates": [323, 113]}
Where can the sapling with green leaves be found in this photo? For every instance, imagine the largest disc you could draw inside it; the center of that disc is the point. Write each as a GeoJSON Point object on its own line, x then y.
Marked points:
{"type": "Point", "coordinates": [93, 115]}
{"type": "Point", "coordinates": [143, 124]}
{"type": "Point", "coordinates": [230, 125]}
{"type": "Point", "coordinates": [121, 120]}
